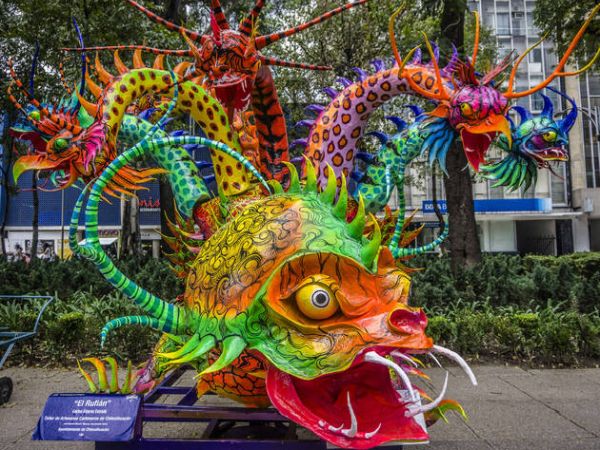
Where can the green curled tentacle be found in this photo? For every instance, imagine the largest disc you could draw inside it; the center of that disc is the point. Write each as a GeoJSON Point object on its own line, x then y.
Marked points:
{"type": "Point", "coordinates": [146, 321]}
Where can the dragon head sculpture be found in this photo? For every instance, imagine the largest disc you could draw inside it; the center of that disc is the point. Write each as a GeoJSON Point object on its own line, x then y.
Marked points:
{"type": "Point", "coordinates": [288, 303]}
{"type": "Point", "coordinates": [538, 140]}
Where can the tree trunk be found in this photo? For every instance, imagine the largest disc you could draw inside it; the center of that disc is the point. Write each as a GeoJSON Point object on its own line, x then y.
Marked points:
{"type": "Point", "coordinates": [463, 241]}
{"type": "Point", "coordinates": [130, 242]}
{"type": "Point", "coordinates": [35, 222]}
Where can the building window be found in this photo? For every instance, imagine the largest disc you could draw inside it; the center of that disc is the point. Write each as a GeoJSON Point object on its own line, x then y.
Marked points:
{"type": "Point", "coordinates": [503, 23]}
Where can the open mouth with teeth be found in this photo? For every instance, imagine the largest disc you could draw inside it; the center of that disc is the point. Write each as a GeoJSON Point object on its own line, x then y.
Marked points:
{"type": "Point", "coordinates": [476, 145]}
{"type": "Point", "coordinates": [370, 403]}
{"type": "Point", "coordinates": [550, 154]}
{"type": "Point", "coordinates": [233, 90]}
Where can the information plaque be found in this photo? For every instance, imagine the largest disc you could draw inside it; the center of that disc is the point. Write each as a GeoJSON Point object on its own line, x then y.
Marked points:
{"type": "Point", "coordinates": [88, 417]}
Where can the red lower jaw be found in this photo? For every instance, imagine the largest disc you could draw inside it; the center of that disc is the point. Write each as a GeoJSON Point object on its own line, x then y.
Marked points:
{"type": "Point", "coordinates": [323, 402]}
{"type": "Point", "coordinates": [475, 146]}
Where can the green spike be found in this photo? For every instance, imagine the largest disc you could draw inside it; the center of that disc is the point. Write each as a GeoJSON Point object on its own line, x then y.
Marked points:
{"type": "Point", "coordinates": [101, 369]}
{"type": "Point", "coordinates": [311, 176]}
{"type": "Point", "coordinates": [186, 348]}
{"type": "Point", "coordinates": [126, 389]}
{"type": "Point", "coordinates": [276, 186]}
{"type": "Point", "coordinates": [233, 346]}
{"type": "Point", "coordinates": [328, 195]}
{"type": "Point", "coordinates": [294, 187]}
{"type": "Point", "coordinates": [370, 249]}
{"type": "Point", "coordinates": [206, 344]}
{"type": "Point", "coordinates": [357, 226]}
{"type": "Point", "coordinates": [114, 374]}
{"type": "Point", "coordinates": [339, 210]}
{"type": "Point", "coordinates": [88, 378]}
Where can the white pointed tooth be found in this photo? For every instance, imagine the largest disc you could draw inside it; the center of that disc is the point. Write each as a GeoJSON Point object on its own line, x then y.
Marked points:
{"type": "Point", "coordinates": [457, 359]}
{"type": "Point", "coordinates": [351, 432]}
{"type": "Point", "coordinates": [335, 429]}
{"type": "Point", "coordinates": [322, 423]}
{"type": "Point", "coordinates": [402, 356]}
{"type": "Point", "coordinates": [370, 434]}
{"type": "Point", "coordinates": [378, 359]}
{"type": "Point", "coordinates": [414, 410]}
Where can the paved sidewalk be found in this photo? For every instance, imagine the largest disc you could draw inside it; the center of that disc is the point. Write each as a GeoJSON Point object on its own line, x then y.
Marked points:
{"type": "Point", "coordinates": [511, 408]}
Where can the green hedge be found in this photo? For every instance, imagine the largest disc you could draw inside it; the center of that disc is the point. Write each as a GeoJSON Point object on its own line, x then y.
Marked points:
{"type": "Point", "coordinates": [539, 309]}
{"type": "Point", "coordinates": [504, 280]}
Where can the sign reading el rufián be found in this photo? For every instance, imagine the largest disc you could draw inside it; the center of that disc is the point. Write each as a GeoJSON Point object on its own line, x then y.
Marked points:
{"type": "Point", "coordinates": [88, 417]}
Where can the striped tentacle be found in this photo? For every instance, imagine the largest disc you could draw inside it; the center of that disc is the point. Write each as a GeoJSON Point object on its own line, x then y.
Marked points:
{"type": "Point", "coordinates": [145, 321]}
{"type": "Point", "coordinates": [263, 41]}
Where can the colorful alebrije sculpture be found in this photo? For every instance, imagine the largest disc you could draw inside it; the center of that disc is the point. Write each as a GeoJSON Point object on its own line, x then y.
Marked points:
{"type": "Point", "coordinates": [537, 141]}
{"type": "Point", "coordinates": [294, 297]}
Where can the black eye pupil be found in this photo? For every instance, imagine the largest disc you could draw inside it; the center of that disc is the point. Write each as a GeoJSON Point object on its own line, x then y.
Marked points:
{"type": "Point", "coordinates": [320, 299]}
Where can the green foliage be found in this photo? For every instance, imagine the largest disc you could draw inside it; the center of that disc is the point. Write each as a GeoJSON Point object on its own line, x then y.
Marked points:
{"type": "Point", "coordinates": [561, 19]}
{"type": "Point", "coordinates": [506, 280]}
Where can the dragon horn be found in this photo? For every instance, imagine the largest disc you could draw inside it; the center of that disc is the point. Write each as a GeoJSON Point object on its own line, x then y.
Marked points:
{"type": "Point", "coordinates": [169, 25]}
{"type": "Point", "coordinates": [567, 123]}
{"type": "Point", "coordinates": [217, 12]}
{"type": "Point", "coordinates": [246, 24]}
{"type": "Point", "coordinates": [548, 109]}
{"type": "Point", "coordinates": [294, 65]}
{"type": "Point", "coordinates": [263, 41]}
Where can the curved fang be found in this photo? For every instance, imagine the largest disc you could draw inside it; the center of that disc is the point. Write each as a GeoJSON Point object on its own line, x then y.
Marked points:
{"type": "Point", "coordinates": [414, 410]}
{"type": "Point", "coordinates": [351, 432]}
{"type": "Point", "coordinates": [457, 359]}
{"type": "Point", "coordinates": [378, 359]}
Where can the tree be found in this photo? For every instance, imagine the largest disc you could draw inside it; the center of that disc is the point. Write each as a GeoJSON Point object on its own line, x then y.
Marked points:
{"type": "Point", "coordinates": [561, 19]}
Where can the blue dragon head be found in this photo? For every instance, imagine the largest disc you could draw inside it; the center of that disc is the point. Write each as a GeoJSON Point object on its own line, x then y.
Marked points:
{"type": "Point", "coordinates": [537, 142]}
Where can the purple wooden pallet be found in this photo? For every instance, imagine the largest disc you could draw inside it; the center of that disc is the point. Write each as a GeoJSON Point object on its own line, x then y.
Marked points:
{"type": "Point", "coordinates": [268, 429]}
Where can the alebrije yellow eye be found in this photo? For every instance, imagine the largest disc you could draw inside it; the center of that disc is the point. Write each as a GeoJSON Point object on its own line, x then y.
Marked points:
{"type": "Point", "coordinates": [35, 115]}
{"type": "Point", "coordinates": [549, 136]}
{"type": "Point", "coordinates": [60, 144]}
{"type": "Point", "coordinates": [316, 301]}
{"type": "Point", "coordinates": [466, 109]}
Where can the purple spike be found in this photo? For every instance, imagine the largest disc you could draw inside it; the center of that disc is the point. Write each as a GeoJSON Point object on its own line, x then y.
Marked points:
{"type": "Point", "coordinates": [305, 123]}
{"type": "Point", "coordinates": [178, 133]}
{"type": "Point", "coordinates": [400, 124]}
{"type": "Point", "coordinates": [417, 56]}
{"type": "Point", "coordinates": [436, 50]}
{"type": "Point", "coordinates": [523, 113]}
{"type": "Point", "coordinates": [383, 138]}
{"type": "Point", "coordinates": [416, 110]}
{"type": "Point", "coordinates": [378, 65]}
{"type": "Point", "coordinates": [512, 123]}
{"type": "Point", "coordinates": [567, 123]}
{"type": "Point", "coordinates": [147, 113]}
{"type": "Point", "coordinates": [453, 62]}
{"type": "Point", "coordinates": [331, 92]}
{"type": "Point", "coordinates": [315, 108]}
{"type": "Point", "coordinates": [366, 157]}
{"type": "Point", "coordinates": [344, 81]}
{"type": "Point", "coordinates": [209, 179]}
{"type": "Point", "coordinates": [166, 121]}
{"type": "Point", "coordinates": [548, 109]}
{"type": "Point", "coordinates": [297, 160]}
{"type": "Point", "coordinates": [300, 142]}
{"type": "Point", "coordinates": [361, 73]}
